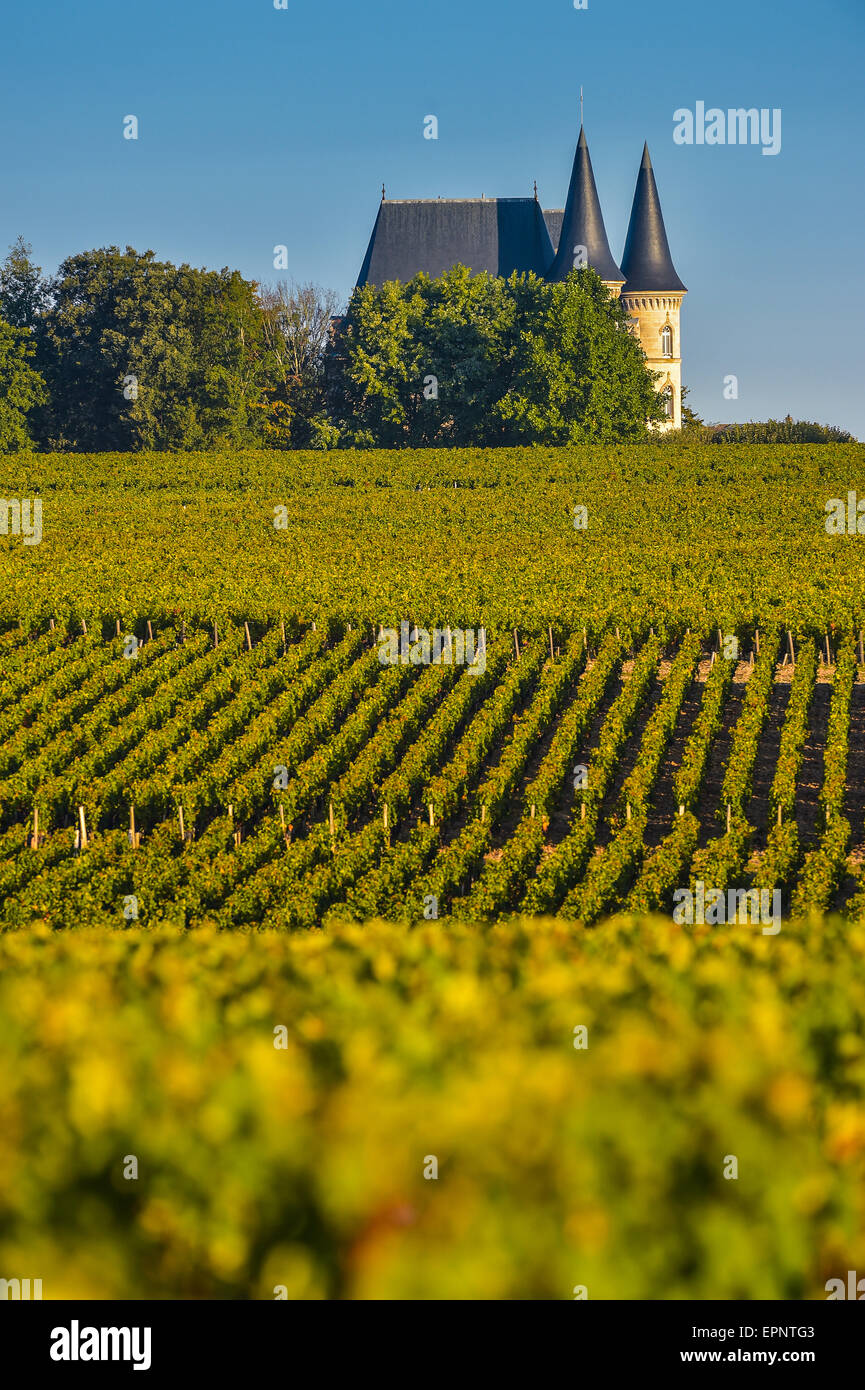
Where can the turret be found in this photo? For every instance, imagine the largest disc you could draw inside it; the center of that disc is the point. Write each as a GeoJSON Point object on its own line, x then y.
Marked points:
{"type": "Point", "coordinates": [653, 293]}
{"type": "Point", "coordinates": [583, 239]}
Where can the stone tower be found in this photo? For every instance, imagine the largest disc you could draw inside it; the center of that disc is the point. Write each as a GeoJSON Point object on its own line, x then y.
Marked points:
{"type": "Point", "coordinates": [653, 293]}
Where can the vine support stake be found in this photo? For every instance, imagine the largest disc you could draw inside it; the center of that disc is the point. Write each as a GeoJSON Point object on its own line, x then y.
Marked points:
{"type": "Point", "coordinates": [133, 837]}
{"type": "Point", "coordinates": [861, 652]}
{"type": "Point", "coordinates": [332, 823]}
{"type": "Point", "coordinates": [180, 818]}
{"type": "Point", "coordinates": [582, 810]}
{"type": "Point", "coordinates": [552, 658]}
{"type": "Point", "coordinates": [757, 639]}
{"type": "Point", "coordinates": [828, 654]}
{"type": "Point", "coordinates": [779, 815]}
{"type": "Point", "coordinates": [483, 812]}
{"type": "Point", "coordinates": [516, 644]}
{"type": "Point", "coordinates": [34, 838]}
{"type": "Point", "coordinates": [51, 624]}
{"type": "Point", "coordinates": [681, 809]}
{"type": "Point", "coordinates": [82, 825]}
{"type": "Point", "coordinates": [215, 636]}
{"type": "Point", "coordinates": [792, 649]}
{"type": "Point", "coordinates": [629, 809]}
{"type": "Point", "coordinates": [534, 810]}
{"type": "Point", "coordinates": [84, 626]}
{"type": "Point", "coordinates": [431, 814]}
{"type": "Point", "coordinates": [149, 631]}
{"type": "Point", "coordinates": [282, 630]}
{"type": "Point", "coordinates": [183, 632]}
{"type": "Point", "coordinates": [117, 628]}
{"type": "Point", "coordinates": [729, 815]}
{"type": "Point", "coordinates": [248, 638]}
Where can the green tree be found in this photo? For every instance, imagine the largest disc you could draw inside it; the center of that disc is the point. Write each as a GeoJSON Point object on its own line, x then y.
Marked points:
{"type": "Point", "coordinates": [141, 354]}
{"type": "Point", "coordinates": [23, 290]}
{"type": "Point", "coordinates": [21, 386]}
{"type": "Point", "coordinates": [296, 327]}
{"type": "Point", "coordinates": [473, 359]}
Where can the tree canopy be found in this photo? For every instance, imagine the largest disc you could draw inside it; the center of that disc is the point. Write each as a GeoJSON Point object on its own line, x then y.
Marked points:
{"type": "Point", "coordinates": [473, 359]}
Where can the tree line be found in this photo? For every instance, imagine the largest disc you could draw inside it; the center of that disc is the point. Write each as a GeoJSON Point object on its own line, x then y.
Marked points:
{"type": "Point", "coordinates": [121, 352]}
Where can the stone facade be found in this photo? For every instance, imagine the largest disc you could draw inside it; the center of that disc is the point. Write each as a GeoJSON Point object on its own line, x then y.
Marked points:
{"type": "Point", "coordinates": [651, 314]}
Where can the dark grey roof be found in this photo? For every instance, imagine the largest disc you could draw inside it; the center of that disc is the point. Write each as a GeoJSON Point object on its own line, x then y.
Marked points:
{"type": "Point", "coordinates": [499, 235]}
{"type": "Point", "coordinates": [553, 218]}
{"type": "Point", "coordinates": [583, 223]}
{"type": "Point", "coordinates": [647, 263]}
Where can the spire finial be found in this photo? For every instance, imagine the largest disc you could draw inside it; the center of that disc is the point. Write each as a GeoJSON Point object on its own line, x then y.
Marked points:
{"type": "Point", "coordinates": [382, 192]}
{"type": "Point", "coordinates": [581, 108]}
{"type": "Point", "coordinates": [536, 190]}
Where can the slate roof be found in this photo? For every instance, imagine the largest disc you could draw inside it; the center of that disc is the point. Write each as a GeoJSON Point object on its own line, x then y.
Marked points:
{"type": "Point", "coordinates": [647, 263]}
{"type": "Point", "coordinates": [553, 218]}
{"type": "Point", "coordinates": [499, 235]}
{"type": "Point", "coordinates": [583, 223]}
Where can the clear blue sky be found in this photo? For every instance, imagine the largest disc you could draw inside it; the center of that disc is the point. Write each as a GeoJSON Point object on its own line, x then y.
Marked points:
{"type": "Point", "coordinates": [261, 126]}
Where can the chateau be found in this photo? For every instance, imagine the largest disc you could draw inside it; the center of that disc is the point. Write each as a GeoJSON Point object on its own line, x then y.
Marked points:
{"type": "Point", "coordinates": [503, 235]}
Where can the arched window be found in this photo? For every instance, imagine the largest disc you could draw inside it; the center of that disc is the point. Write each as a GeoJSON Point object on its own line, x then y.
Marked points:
{"type": "Point", "coordinates": [666, 341]}
{"type": "Point", "coordinates": [668, 402]}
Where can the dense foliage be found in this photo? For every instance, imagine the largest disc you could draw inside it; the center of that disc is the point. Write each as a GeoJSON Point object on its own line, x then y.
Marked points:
{"type": "Point", "coordinates": [298, 1170]}
{"type": "Point", "coordinates": [477, 360]}
{"type": "Point", "coordinates": [688, 537]}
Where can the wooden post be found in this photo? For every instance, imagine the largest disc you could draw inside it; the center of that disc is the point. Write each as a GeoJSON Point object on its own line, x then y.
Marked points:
{"type": "Point", "coordinates": [681, 809]}
{"type": "Point", "coordinates": [231, 813]}
{"type": "Point", "coordinates": [585, 642]}
{"type": "Point", "coordinates": [215, 636]}
{"type": "Point", "coordinates": [582, 810]}
{"type": "Point", "coordinates": [779, 815]}
{"type": "Point", "coordinates": [629, 809]}
{"type": "Point", "coordinates": [34, 838]}
{"type": "Point", "coordinates": [757, 639]}
{"type": "Point", "coordinates": [828, 655]}
{"type": "Point", "coordinates": [552, 658]}
{"type": "Point", "coordinates": [534, 810]}
{"type": "Point", "coordinates": [332, 822]}
{"type": "Point", "coordinates": [117, 628]}
{"type": "Point", "coordinates": [282, 630]}
{"type": "Point", "coordinates": [149, 631]}
{"type": "Point", "coordinates": [83, 827]}
{"type": "Point", "coordinates": [431, 814]}
{"type": "Point", "coordinates": [84, 626]}
{"type": "Point", "coordinates": [712, 662]}
{"type": "Point", "coordinates": [183, 632]}
{"type": "Point", "coordinates": [752, 656]}
{"type": "Point", "coordinates": [729, 813]}
{"type": "Point", "coordinates": [133, 837]}
{"type": "Point", "coordinates": [483, 812]}
{"type": "Point", "coordinates": [180, 816]}
{"type": "Point", "coordinates": [248, 638]}
{"type": "Point", "coordinates": [386, 826]}
{"type": "Point", "coordinates": [790, 645]}
{"type": "Point", "coordinates": [861, 651]}
{"type": "Point", "coordinates": [720, 642]}
{"type": "Point", "coordinates": [51, 624]}
{"type": "Point", "coordinates": [516, 644]}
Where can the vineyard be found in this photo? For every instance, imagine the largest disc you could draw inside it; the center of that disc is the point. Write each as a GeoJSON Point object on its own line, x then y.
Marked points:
{"type": "Point", "coordinates": [285, 922]}
{"type": "Point", "coordinates": [201, 777]}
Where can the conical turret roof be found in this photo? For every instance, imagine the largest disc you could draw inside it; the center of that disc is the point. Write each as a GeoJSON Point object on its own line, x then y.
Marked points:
{"type": "Point", "coordinates": [583, 223]}
{"type": "Point", "coordinates": [647, 263]}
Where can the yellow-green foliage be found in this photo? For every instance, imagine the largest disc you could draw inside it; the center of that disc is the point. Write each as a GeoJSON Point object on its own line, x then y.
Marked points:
{"type": "Point", "coordinates": [690, 536]}
{"type": "Point", "coordinates": [303, 1167]}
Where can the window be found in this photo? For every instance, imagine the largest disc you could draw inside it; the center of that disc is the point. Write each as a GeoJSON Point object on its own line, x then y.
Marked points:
{"type": "Point", "coordinates": [668, 402]}
{"type": "Point", "coordinates": [667, 341]}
